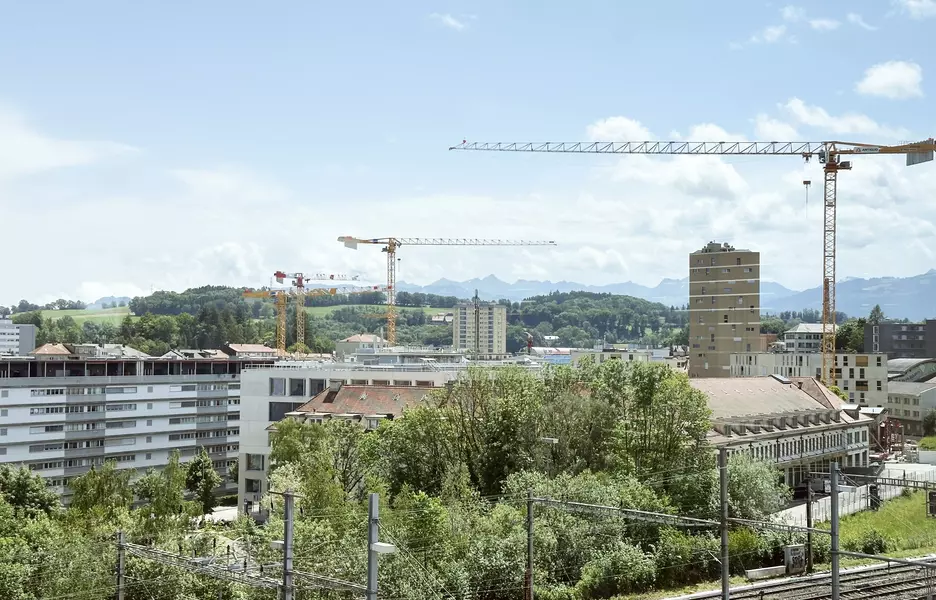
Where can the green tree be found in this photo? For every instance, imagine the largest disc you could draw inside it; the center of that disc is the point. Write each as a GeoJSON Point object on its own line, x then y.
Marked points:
{"type": "Point", "coordinates": [105, 490]}
{"type": "Point", "coordinates": [849, 336]}
{"type": "Point", "coordinates": [929, 423]}
{"type": "Point", "coordinates": [163, 492]}
{"type": "Point", "coordinates": [202, 480]}
{"type": "Point", "coordinates": [876, 317]}
{"type": "Point", "coordinates": [26, 492]}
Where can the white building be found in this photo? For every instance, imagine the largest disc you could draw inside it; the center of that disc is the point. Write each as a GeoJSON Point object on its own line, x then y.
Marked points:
{"type": "Point", "coordinates": [270, 392]}
{"type": "Point", "coordinates": [480, 328]}
{"type": "Point", "coordinates": [16, 339]}
{"type": "Point", "coordinates": [805, 337]}
{"type": "Point", "coordinates": [862, 376]}
{"type": "Point", "coordinates": [60, 413]}
{"type": "Point", "coordinates": [361, 342]}
{"type": "Point", "coordinates": [910, 402]}
{"type": "Point", "coordinates": [795, 423]}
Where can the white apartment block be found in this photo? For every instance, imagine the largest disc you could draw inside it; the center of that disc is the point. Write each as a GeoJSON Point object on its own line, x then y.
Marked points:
{"type": "Point", "coordinates": [862, 376]}
{"type": "Point", "coordinates": [16, 339]}
{"type": "Point", "coordinates": [480, 329]}
{"type": "Point", "coordinates": [269, 392]}
{"type": "Point", "coordinates": [805, 337]}
{"type": "Point", "coordinates": [61, 415]}
{"type": "Point", "coordinates": [910, 402]}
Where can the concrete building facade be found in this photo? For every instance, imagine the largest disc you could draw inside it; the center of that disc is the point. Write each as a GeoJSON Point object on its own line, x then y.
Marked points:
{"type": "Point", "coordinates": [724, 307]}
{"type": "Point", "coordinates": [16, 339]}
{"type": "Point", "coordinates": [270, 392]}
{"type": "Point", "coordinates": [902, 340]}
{"type": "Point", "coordinates": [480, 329]}
{"type": "Point", "coordinates": [862, 376]}
{"type": "Point", "coordinates": [805, 337]}
{"type": "Point", "coordinates": [61, 414]}
{"type": "Point", "coordinates": [909, 403]}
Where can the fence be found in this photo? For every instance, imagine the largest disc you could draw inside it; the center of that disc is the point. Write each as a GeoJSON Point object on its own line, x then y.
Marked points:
{"type": "Point", "coordinates": [853, 499]}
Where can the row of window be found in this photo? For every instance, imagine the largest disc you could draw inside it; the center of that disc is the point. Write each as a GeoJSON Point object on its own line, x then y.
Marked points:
{"type": "Point", "coordinates": [206, 402]}
{"type": "Point", "coordinates": [204, 419]}
{"type": "Point", "coordinates": [81, 462]}
{"type": "Point", "coordinates": [198, 435]}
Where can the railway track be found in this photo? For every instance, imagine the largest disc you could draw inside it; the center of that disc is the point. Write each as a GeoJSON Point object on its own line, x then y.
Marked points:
{"type": "Point", "coordinates": [894, 582]}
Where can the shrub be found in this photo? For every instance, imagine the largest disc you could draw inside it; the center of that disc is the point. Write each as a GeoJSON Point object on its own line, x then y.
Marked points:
{"type": "Point", "coordinates": [685, 559]}
{"type": "Point", "coordinates": [746, 550]}
{"type": "Point", "coordinates": [620, 569]}
{"type": "Point", "coordinates": [867, 542]}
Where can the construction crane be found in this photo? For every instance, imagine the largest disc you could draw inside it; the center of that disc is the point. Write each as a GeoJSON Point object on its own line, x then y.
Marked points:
{"type": "Point", "coordinates": [830, 155]}
{"type": "Point", "coordinates": [390, 246]}
{"type": "Point", "coordinates": [300, 293]}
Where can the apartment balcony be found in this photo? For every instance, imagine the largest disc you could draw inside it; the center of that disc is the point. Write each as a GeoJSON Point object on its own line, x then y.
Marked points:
{"type": "Point", "coordinates": [116, 380]}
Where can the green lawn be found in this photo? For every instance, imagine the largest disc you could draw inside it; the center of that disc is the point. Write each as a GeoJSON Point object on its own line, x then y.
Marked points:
{"type": "Point", "coordinates": [107, 315]}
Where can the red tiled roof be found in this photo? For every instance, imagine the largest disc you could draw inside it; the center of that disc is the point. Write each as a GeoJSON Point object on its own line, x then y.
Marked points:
{"type": "Point", "coordinates": [366, 400]}
{"type": "Point", "coordinates": [48, 349]}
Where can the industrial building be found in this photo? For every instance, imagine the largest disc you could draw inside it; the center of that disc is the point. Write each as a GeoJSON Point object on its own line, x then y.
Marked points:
{"type": "Point", "coordinates": [862, 376]}
{"type": "Point", "coordinates": [724, 307]}
{"type": "Point", "coordinates": [62, 412]}
{"type": "Point", "coordinates": [16, 339]}
{"type": "Point", "coordinates": [795, 423]}
{"type": "Point", "coordinates": [480, 329]}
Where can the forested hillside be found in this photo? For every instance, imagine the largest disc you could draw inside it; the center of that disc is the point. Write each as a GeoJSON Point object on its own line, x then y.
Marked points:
{"type": "Point", "coordinates": [209, 316]}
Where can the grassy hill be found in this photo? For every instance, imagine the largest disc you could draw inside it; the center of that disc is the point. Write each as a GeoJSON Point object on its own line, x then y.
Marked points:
{"type": "Point", "coordinates": [107, 315]}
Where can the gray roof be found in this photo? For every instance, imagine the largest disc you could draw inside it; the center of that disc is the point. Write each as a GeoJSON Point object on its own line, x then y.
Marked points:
{"type": "Point", "coordinates": [806, 328]}
{"type": "Point", "coordinates": [909, 388]}
{"type": "Point", "coordinates": [750, 396]}
{"type": "Point", "coordinates": [899, 365]}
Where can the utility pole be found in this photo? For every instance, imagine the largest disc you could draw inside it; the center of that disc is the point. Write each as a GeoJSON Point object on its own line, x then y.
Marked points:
{"type": "Point", "coordinates": [529, 569]}
{"type": "Point", "coordinates": [809, 525]}
{"type": "Point", "coordinates": [723, 502]}
{"type": "Point", "coordinates": [833, 477]}
{"type": "Point", "coordinates": [373, 523]}
{"type": "Point", "coordinates": [121, 564]}
{"type": "Point", "coordinates": [288, 523]}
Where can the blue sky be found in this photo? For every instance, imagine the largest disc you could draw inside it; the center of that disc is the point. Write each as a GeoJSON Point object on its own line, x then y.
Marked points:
{"type": "Point", "coordinates": [216, 141]}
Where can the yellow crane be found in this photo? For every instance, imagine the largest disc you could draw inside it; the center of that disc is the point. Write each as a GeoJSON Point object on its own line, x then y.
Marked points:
{"type": "Point", "coordinates": [830, 155]}
{"type": "Point", "coordinates": [392, 244]}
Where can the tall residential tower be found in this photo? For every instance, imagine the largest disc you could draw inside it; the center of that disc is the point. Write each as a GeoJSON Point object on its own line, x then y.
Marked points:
{"type": "Point", "coordinates": [724, 307]}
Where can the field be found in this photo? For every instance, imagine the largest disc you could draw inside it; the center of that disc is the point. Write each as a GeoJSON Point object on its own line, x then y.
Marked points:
{"type": "Point", "coordinates": [321, 311]}
{"type": "Point", "coordinates": [107, 315]}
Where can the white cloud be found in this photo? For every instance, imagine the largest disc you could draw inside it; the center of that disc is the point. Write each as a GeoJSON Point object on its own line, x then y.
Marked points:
{"type": "Point", "coordinates": [769, 35]}
{"type": "Point", "coordinates": [24, 151]}
{"type": "Point", "coordinates": [618, 129]}
{"type": "Point", "coordinates": [824, 24]}
{"type": "Point", "coordinates": [615, 218]}
{"type": "Point", "coordinates": [772, 130]}
{"type": "Point", "coordinates": [819, 118]}
{"type": "Point", "coordinates": [856, 19]}
{"type": "Point", "coordinates": [895, 79]}
{"type": "Point", "coordinates": [793, 14]}
{"type": "Point", "coordinates": [450, 21]}
{"type": "Point", "coordinates": [918, 9]}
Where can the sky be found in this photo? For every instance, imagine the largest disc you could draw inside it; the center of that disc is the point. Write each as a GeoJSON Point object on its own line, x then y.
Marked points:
{"type": "Point", "coordinates": [164, 145]}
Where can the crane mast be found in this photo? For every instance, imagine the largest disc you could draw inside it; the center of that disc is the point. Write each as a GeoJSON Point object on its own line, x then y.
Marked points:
{"type": "Point", "coordinates": [829, 153]}
{"type": "Point", "coordinates": [392, 244]}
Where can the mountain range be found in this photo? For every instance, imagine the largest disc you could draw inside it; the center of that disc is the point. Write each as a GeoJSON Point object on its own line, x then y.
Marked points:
{"type": "Point", "coordinates": [900, 297]}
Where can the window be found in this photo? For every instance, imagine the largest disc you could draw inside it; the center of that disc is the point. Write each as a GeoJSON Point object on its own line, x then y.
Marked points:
{"type": "Point", "coordinates": [740, 299]}
{"type": "Point", "coordinates": [738, 261]}
{"type": "Point", "coordinates": [4, 393]}
{"type": "Point", "coordinates": [255, 462]}
{"type": "Point", "coordinates": [277, 386]}
{"type": "Point", "coordinates": [149, 389]}
{"type": "Point", "coordinates": [149, 405]}
{"type": "Point", "coordinates": [297, 387]}
{"type": "Point", "coordinates": [149, 456]}
{"type": "Point", "coordinates": [149, 439]}
{"type": "Point", "coordinates": [703, 289]}
{"type": "Point", "coordinates": [278, 410]}
{"type": "Point", "coordinates": [252, 486]}
{"type": "Point", "coordinates": [149, 422]}
{"type": "Point", "coordinates": [3, 430]}
{"type": "Point", "coordinates": [725, 319]}
{"type": "Point", "coordinates": [4, 412]}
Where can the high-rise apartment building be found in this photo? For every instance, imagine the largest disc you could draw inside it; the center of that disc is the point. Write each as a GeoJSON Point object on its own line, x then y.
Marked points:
{"type": "Point", "coordinates": [480, 328]}
{"type": "Point", "coordinates": [724, 307]}
{"type": "Point", "coordinates": [61, 413]}
{"type": "Point", "coordinates": [16, 339]}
